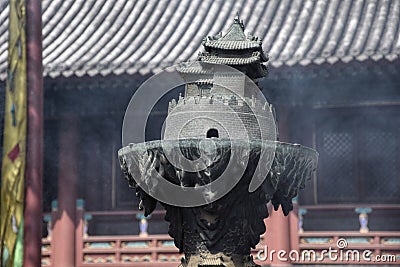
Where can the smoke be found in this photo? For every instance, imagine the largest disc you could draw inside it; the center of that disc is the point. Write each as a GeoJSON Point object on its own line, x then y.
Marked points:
{"type": "Point", "coordinates": [350, 114]}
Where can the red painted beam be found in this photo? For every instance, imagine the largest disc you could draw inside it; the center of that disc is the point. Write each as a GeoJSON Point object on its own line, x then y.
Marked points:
{"type": "Point", "coordinates": [34, 150]}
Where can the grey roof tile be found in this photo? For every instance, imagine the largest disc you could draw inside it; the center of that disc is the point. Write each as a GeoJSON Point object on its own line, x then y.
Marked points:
{"type": "Point", "coordinates": [390, 28]}
{"type": "Point", "coordinates": [324, 32]}
{"type": "Point", "coordinates": [91, 37]}
{"type": "Point", "coordinates": [365, 26]}
{"type": "Point", "coordinates": [312, 31]}
{"type": "Point", "coordinates": [377, 32]}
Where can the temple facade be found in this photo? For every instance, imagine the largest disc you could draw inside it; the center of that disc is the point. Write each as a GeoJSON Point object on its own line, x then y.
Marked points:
{"type": "Point", "coordinates": [333, 79]}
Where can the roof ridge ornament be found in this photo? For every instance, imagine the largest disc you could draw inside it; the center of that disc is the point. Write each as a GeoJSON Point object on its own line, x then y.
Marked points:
{"type": "Point", "coordinates": [237, 20]}
{"type": "Point", "coordinates": [235, 32]}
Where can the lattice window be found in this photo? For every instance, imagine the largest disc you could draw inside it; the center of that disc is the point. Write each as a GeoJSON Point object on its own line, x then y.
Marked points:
{"type": "Point", "coordinates": [359, 156]}
{"type": "Point", "coordinates": [380, 164]}
{"type": "Point", "coordinates": [336, 166]}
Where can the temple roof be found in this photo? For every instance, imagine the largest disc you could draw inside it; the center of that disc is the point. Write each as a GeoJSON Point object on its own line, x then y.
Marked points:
{"type": "Point", "coordinates": [90, 37]}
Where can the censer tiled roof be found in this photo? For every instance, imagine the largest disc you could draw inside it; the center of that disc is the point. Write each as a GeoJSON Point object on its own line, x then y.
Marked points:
{"type": "Point", "coordinates": [233, 45]}
{"type": "Point", "coordinates": [90, 37]}
{"type": "Point", "coordinates": [231, 60]}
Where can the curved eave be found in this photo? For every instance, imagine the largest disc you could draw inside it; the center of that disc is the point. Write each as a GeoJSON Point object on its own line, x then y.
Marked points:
{"type": "Point", "coordinates": [232, 45]}
{"type": "Point", "coordinates": [230, 60]}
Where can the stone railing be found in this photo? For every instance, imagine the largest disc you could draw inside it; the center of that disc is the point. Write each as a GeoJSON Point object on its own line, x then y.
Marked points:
{"type": "Point", "coordinates": [154, 250]}
{"type": "Point", "coordinates": [361, 246]}
{"type": "Point", "coordinates": [159, 250]}
{"type": "Point", "coordinates": [144, 250]}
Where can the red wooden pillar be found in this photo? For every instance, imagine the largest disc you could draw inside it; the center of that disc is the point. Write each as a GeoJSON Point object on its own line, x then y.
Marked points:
{"type": "Point", "coordinates": [79, 231]}
{"type": "Point", "coordinates": [294, 228]}
{"type": "Point", "coordinates": [34, 150]}
{"type": "Point", "coordinates": [64, 226]}
{"type": "Point", "coordinates": [277, 239]}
